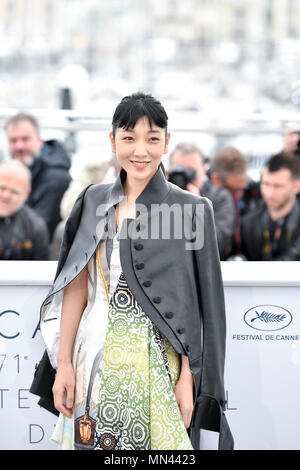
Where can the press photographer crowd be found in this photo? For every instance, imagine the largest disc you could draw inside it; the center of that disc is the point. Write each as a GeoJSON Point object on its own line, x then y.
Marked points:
{"type": "Point", "coordinates": [255, 220]}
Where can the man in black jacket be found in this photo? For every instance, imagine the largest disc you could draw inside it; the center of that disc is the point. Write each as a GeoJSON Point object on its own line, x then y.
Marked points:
{"type": "Point", "coordinates": [272, 232]}
{"type": "Point", "coordinates": [48, 162]}
{"type": "Point", "coordinates": [190, 156]}
{"type": "Point", "coordinates": [23, 233]}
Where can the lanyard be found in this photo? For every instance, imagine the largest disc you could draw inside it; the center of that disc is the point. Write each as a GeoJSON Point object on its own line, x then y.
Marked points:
{"type": "Point", "coordinates": [101, 272]}
{"type": "Point", "coordinates": [270, 246]}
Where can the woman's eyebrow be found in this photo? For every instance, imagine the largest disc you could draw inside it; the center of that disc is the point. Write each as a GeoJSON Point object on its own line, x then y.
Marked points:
{"type": "Point", "coordinates": [156, 131]}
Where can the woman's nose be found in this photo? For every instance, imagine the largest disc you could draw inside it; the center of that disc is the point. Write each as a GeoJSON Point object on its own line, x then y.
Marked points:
{"type": "Point", "coordinates": [140, 149]}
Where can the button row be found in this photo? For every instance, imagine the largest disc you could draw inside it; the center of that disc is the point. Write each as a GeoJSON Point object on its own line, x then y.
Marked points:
{"type": "Point", "coordinates": [156, 300]}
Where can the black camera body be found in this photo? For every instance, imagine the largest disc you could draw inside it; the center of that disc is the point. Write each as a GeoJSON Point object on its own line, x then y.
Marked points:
{"type": "Point", "coordinates": [181, 176]}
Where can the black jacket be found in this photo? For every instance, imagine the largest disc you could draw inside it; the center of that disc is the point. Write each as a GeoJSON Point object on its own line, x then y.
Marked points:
{"type": "Point", "coordinates": [24, 236]}
{"type": "Point", "coordinates": [50, 179]}
{"type": "Point", "coordinates": [224, 214]}
{"type": "Point", "coordinates": [180, 289]}
{"type": "Point", "coordinates": [256, 224]}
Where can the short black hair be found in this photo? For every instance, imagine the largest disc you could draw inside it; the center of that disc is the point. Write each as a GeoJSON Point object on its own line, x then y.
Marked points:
{"type": "Point", "coordinates": [283, 160]}
{"type": "Point", "coordinates": [133, 107]}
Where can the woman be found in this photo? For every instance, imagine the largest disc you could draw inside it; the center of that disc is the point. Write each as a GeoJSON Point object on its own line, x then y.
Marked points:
{"type": "Point", "coordinates": [139, 348]}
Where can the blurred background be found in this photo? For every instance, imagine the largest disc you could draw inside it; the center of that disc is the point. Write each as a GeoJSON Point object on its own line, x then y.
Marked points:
{"type": "Point", "coordinates": [227, 71]}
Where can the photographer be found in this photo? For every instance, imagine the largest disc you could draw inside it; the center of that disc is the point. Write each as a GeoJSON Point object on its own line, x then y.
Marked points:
{"type": "Point", "coordinates": [187, 170]}
{"type": "Point", "coordinates": [23, 233]}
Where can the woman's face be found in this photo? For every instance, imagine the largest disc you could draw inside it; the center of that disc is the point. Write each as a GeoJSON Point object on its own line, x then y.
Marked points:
{"type": "Point", "coordinates": [139, 150]}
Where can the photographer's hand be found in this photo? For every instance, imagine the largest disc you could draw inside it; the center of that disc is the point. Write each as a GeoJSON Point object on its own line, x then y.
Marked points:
{"type": "Point", "coordinates": [193, 189]}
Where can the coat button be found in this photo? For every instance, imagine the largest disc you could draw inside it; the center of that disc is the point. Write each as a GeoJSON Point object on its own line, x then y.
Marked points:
{"type": "Point", "coordinates": [157, 300]}
{"type": "Point", "coordinates": [169, 314]}
{"type": "Point", "coordinates": [138, 246]}
{"type": "Point", "coordinates": [139, 266]}
{"type": "Point", "coordinates": [180, 331]}
{"type": "Point", "coordinates": [140, 227]}
{"type": "Point", "coordinates": [106, 228]}
{"type": "Point", "coordinates": [187, 347]}
{"type": "Point", "coordinates": [147, 283]}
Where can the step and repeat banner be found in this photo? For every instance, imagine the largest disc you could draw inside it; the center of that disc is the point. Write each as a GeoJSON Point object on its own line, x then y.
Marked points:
{"type": "Point", "coordinates": [262, 366]}
{"type": "Point", "coordinates": [262, 374]}
{"type": "Point", "coordinates": [24, 424]}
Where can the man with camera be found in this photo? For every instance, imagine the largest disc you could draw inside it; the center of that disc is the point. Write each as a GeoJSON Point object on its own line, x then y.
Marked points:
{"type": "Point", "coordinates": [187, 170]}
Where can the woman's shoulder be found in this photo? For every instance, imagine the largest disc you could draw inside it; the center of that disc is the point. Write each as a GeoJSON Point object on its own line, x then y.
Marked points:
{"type": "Point", "coordinates": [99, 188]}
{"type": "Point", "coordinates": [98, 192]}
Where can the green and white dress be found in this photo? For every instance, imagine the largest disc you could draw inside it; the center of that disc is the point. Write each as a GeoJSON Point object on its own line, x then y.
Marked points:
{"type": "Point", "coordinates": [132, 401]}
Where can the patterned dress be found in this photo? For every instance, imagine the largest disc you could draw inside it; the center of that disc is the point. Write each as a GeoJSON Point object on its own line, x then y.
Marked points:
{"type": "Point", "coordinates": [132, 405]}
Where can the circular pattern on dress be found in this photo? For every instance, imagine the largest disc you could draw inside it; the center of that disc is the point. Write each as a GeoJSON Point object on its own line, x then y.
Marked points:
{"type": "Point", "coordinates": [110, 412]}
{"type": "Point", "coordinates": [139, 433]}
{"type": "Point", "coordinates": [112, 383]}
{"type": "Point", "coordinates": [141, 361]}
{"type": "Point", "coordinates": [172, 411]}
{"type": "Point", "coordinates": [116, 355]}
{"type": "Point", "coordinates": [120, 327]}
{"type": "Point", "coordinates": [156, 430]}
{"type": "Point", "coordinates": [107, 441]}
{"type": "Point", "coordinates": [123, 299]}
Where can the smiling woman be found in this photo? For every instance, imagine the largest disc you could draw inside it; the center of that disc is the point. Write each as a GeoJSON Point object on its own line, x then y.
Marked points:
{"type": "Point", "coordinates": [132, 372]}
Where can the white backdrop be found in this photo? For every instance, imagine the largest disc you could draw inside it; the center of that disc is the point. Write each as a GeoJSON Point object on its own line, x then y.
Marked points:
{"type": "Point", "coordinates": [262, 363]}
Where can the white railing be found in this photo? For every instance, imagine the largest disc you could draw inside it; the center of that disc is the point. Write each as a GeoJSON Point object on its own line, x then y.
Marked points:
{"type": "Point", "coordinates": [76, 121]}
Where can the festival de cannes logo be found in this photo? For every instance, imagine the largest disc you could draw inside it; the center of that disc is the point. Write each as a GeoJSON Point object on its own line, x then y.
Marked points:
{"type": "Point", "coordinates": [268, 317]}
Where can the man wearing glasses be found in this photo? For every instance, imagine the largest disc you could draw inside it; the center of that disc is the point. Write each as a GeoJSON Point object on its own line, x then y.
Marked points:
{"type": "Point", "coordinates": [23, 233]}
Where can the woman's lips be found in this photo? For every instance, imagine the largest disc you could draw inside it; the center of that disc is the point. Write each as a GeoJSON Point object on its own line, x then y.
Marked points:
{"type": "Point", "coordinates": [139, 165]}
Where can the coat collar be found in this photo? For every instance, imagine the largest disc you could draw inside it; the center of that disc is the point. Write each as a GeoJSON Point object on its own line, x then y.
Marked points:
{"type": "Point", "coordinates": [154, 193]}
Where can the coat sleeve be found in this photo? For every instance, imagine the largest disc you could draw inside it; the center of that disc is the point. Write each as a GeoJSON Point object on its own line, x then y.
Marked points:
{"type": "Point", "coordinates": [210, 399]}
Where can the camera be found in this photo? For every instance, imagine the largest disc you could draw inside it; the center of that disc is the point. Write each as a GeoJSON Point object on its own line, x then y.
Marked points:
{"type": "Point", "coordinates": [181, 176]}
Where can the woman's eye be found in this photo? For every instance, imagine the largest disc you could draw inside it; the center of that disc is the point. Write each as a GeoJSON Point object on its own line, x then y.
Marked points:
{"type": "Point", "coordinates": [154, 139]}
{"type": "Point", "coordinates": [127, 138]}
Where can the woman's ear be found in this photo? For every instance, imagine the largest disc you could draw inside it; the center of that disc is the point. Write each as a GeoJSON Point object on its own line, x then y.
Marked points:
{"type": "Point", "coordinates": [167, 142]}
{"type": "Point", "coordinates": [113, 142]}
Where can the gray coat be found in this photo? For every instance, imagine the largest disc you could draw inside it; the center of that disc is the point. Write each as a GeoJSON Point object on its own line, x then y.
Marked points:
{"type": "Point", "coordinates": [179, 288]}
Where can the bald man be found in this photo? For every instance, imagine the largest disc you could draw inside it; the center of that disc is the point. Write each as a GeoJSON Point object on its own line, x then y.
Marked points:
{"type": "Point", "coordinates": [23, 233]}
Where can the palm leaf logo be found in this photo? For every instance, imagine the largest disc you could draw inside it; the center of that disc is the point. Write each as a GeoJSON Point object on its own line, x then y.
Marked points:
{"type": "Point", "coordinates": [268, 317]}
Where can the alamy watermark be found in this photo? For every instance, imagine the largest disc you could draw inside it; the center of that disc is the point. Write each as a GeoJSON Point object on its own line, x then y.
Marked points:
{"type": "Point", "coordinates": [159, 221]}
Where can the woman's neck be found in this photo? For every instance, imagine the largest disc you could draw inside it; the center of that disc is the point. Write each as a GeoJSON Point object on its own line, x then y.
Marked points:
{"type": "Point", "coordinates": [134, 187]}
